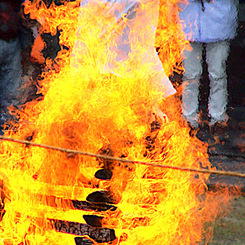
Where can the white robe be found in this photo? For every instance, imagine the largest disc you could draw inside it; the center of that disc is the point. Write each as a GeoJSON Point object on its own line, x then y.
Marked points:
{"type": "Point", "coordinates": [131, 35]}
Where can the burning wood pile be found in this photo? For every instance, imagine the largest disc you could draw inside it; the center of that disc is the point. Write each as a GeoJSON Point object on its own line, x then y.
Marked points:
{"type": "Point", "coordinates": [52, 197]}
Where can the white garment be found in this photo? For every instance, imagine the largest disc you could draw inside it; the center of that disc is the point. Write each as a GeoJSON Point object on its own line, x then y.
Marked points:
{"type": "Point", "coordinates": [216, 57]}
{"type": "Point", "coordinates": [209, 20]}
{"type": "Point", "coordinates": [128, 49]}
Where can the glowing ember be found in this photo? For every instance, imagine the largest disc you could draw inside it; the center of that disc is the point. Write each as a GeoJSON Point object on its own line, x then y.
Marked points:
{"type": "Point", "coordinates": [87, 108]}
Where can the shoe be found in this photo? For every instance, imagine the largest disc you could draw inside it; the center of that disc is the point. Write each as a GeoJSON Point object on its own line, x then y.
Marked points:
{"type": "Point", "coordinates": [220, 131]}
{"type": "Point", "coordinates": [222, 119]}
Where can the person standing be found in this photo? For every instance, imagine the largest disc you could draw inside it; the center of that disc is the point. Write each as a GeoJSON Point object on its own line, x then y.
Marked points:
{"type": "Point", "coordinates": [130, 42]}
{"type": "Point", "coordinates": [210, 25]}
{"type": "Point", "coordinates": [10, 56]}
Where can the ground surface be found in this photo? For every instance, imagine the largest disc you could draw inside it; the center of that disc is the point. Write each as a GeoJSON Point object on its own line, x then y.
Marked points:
{"type": "Point", "coordinates": [229, 155]}
{"type": "Point", "coordinates": [230, 230]}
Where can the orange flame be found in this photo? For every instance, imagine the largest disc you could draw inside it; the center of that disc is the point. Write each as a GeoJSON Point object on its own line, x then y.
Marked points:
{"type": "Point", "coordinates": [169, 37]}
{"type": "Point", "coordinates": [87, 108]}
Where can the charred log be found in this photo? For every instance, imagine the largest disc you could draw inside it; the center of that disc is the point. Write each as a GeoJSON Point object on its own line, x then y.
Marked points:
{"type": "Point", "coordinates": [93, 220]}
{"type": "Point", "coordinates": [103, 174]}
{"type": "Point", "coordinates": [87, 206]}
{"type": "Point", "coordinates": [100, 197]}
{"type": "Point", "coordinates": [83, 241]}
{"type": "Point", "coordinates": [98, 234]}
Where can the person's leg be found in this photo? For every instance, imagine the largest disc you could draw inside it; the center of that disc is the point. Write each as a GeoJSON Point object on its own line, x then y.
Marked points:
{"type": "Point", "coordinates": [216, 55]}
{"type": "Point", "coordinates": [192, 63]}
{"type": "Point", "coordinates": [10, 80]}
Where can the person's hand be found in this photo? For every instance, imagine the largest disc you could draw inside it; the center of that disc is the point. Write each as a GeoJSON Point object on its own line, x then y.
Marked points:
{"type": "Point", "coordinates": [158, 115]}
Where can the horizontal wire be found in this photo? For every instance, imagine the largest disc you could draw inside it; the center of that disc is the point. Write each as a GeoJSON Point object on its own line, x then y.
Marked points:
{"type": "Point", "coordinates": [204, 171]}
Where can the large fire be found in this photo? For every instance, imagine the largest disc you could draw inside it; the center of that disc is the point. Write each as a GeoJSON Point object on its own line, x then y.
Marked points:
{"type": "Point", "coordinates": [86, 107]}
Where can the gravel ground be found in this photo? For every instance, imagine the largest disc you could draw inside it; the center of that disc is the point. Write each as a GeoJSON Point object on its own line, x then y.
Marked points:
{"type": "Point", "coordinates": [230, 230]}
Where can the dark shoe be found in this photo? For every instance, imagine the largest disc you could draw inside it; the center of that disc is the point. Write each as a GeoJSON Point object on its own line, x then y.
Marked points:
{"type": "Point", "coordinates": [220, 131]}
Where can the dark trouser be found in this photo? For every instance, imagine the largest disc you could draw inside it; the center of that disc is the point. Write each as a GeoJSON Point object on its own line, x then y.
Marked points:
{"type": "Point", "coordinates": [10, 74]}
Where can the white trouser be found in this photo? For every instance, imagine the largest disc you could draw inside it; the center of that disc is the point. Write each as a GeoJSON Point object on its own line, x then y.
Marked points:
{"type": "Point", "coordinates": [216, 57]}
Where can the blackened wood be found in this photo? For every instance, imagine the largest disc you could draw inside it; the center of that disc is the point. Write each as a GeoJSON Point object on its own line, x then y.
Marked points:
{"type": "Point", "coordinates": [102, 197]}
{"type": "Point", "coordinates": [93, 220]}
{"type": "Point", "coordinates": [83, 241]}
{"type": "Point", "coordinates": [103, 174]}
{"type": "Point", "coordinates": [87, 206]}
{"type": "Point", "coordinates": [75, 228]}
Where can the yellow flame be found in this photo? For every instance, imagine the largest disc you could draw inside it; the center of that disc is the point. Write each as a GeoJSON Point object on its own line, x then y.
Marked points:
{"type": "Point", "coordinates": [85, 107]}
